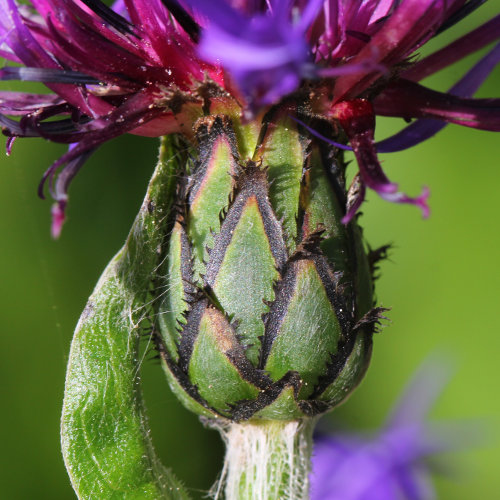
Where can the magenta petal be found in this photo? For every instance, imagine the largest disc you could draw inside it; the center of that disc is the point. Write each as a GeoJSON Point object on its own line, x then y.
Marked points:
{"type": "Point", "coordinates": [109, 15]}
{"type": "Point", "coordinates": [25, 46]}
{"type": "Point", "coordinates": [8, 145]}
{"type": "Point", "coordinates": [408, 100]}
{"type": "Point", "coordinates": [424, 129]}
{"type": "Point", "coordinates": [121, 69]}
{"type": "Point", "coordinates": [412, 23]}
{"type": "Point", "coordinates": [420, 201]}
{"type": "Point", "coordinates": [60, 189]}
{"type": "Point", "coordinates": [188, 24]}
{"type": "Point", "coordinates": [46, 75]}
{"type": "Point", "coordinates": [58, 218]}
{"type": "Point", "coordinates": [356, 197]}
{"type": "Point", "coordinates": [468, 44]}
{"type": "Point", "coordinates": [61, 185]}
{"type": "Point", "coordinates": [358, 121]}
{"type": "Point", "coordinates": [20, 103]}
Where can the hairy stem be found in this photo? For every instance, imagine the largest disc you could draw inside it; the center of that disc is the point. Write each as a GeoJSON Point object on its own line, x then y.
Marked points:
{"type": "Point", "coordinates": [266, 460]}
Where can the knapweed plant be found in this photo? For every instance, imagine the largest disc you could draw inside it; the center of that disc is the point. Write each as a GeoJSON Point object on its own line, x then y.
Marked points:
{"type": "Point", "coordinates": [246, 263]}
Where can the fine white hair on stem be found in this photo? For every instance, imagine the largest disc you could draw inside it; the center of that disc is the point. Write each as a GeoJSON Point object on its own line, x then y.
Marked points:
{"type": "Point", "coordinates": [268, 459]}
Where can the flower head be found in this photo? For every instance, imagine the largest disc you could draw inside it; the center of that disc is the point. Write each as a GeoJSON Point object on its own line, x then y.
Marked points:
{"type": "Point", "coordinates": [395, 462]}
{"type": "Point", "coordinates": [149, 67]}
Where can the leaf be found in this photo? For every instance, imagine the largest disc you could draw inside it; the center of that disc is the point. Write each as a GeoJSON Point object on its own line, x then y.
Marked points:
{"type": "Point", "coordinates": [106, 440]}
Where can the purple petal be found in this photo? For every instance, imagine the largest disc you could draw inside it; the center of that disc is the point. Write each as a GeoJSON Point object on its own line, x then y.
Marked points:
{"type": "Point", "coordinates": [188, 24]}
{"type": "Point", "coordinates": [410, 136]}
{"type": "Point", "coordinates": [46, 75]}
{"type": "Point", "coordinates": [460, 14]}
{"type": "Point", "coordinates": [220, 13]}
{"type": "Point", "coordinates": [358, 121]}
{"type": "Point", "coordinates": [355, 198]}
{"type": "Point", "coordinates": [119, 7]}
{"type": "Point", "coordinates": [474, 78]}
{"type": "Point", "coordinates": [367, 65]}
{"type": "Point", "coordinates": [20, 103]}
{"type": "Point", "coordinates": [408, 100]}
{"type": "Point", "coordinates": [391, 464]}
{"type": "Point", "coordinates": [421, 393]}
{"type": "Point", "coordinates": [424, 129]}
{"type": "Point", "coordinates": [60, 190]}
{"type": "Point", "coordinates": [309, 14]}
{"type": "Point", "coordinates": [109, 15]}
{"type": "Point", "coordinates": [58, 217]}
{"type": "Point", "coordinates": [8, 145]}
{"type": "Point", "coordinates": [266, 54]}
{"type": "Point", "coordinates": [412, 24]}
{"type": "Point", "coordinates": [468, 44]}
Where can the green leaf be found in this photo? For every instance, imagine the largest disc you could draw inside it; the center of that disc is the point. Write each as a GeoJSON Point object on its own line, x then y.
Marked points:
{"type": "Point", "coordinates": [105, 436]}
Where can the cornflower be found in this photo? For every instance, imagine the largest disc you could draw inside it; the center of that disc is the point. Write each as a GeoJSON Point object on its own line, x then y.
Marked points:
{"type": "Point", "coordinates": [245, 265]}
{"type": "Point", "coordinates": [151, 67]}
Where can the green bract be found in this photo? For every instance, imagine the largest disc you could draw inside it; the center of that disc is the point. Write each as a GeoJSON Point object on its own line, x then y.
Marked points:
{"type": "Point", "coordinates": [260, 302]}
{"type": "Point", "coordinates": [264, 308]}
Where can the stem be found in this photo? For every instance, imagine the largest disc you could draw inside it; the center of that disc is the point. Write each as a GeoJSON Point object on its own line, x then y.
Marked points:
{"type": "Point", "coordinates": [267, 460]}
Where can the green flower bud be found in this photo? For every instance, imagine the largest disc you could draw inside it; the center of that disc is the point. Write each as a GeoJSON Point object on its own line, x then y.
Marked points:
{"type": "Point", "coordinates": [264, 306]}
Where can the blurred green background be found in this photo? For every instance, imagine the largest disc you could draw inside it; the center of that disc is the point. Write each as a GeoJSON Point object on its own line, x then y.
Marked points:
{"type": "Point", "coordinates": [441, 281]}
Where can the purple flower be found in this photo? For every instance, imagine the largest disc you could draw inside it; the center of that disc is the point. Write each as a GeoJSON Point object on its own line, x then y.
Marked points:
{"type": "Point", "coordinates": [109, 74]}
{"type": "Point", "coordinates": [265, 51]}
{"type": "Point", "coordinates": [393, 464]}
{"type": "Point", "coordinates": [144, 67]}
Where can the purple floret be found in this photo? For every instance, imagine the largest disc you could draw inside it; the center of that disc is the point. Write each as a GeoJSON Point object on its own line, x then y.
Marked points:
{"type": "Point", "coordinates": [125, 69]}
{"type": "Point", "coordinates": [393, 464]}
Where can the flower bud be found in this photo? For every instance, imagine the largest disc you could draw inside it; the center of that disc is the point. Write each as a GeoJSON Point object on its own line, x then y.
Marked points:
{"type": "Point", "coordinates": [264, 306]}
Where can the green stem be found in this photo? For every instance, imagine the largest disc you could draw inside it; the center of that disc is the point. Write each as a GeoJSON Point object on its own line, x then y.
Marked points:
{"type": "Point", "coordinates": [267, 460]}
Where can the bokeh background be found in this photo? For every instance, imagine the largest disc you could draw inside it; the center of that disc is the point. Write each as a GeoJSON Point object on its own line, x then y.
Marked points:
{"type": "Point", "coordinates": [441, 281]}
